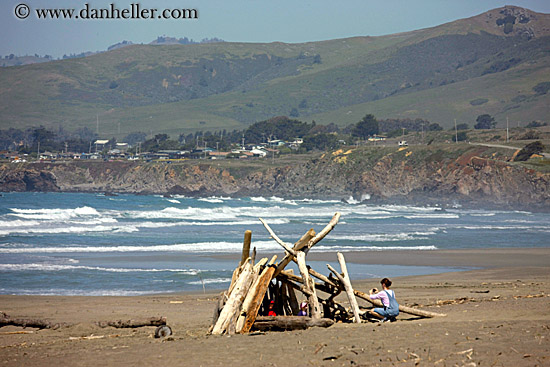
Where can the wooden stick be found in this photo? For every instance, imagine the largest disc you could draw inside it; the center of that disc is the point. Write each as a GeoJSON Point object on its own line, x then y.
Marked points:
{"type": "Point", "coordinates": [246, 246]}
{"type": "Point", "coordinates": [404, 309]}
{"type": "Point", "coordinates": [301, 243]}
{"type": "Point", "coordinates": [329, 227]}
{"type": "Point", "coordinates": [286, 275]}
{"type": "Point", "coordinates": [286, 246]}
{"type": "Point", "coordinates": [309, 285]}
{"type": "Point", "coordinates": [349, 288]}
{"type": "Point", "coordinates": [258, 294]}
{"type": "Point", "coordinates": [235, 300]}
{"type": "Point", "coordinates": [289, 322]}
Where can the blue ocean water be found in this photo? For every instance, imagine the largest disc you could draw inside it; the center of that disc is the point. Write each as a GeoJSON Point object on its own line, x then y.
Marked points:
{"type": "Point", "coordinates": [91, 244]}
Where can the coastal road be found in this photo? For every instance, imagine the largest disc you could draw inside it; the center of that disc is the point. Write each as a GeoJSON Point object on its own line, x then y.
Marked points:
{"type": "Point", "coordinates": [545, 155]}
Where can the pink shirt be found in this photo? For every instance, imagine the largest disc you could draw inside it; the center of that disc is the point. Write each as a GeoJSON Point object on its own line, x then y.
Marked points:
{"type": "Point", "coordinates": [382, 296]}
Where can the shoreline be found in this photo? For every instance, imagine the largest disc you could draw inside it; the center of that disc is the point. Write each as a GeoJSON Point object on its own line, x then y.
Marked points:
{"type": "Point", "coordinates": [486, 322]}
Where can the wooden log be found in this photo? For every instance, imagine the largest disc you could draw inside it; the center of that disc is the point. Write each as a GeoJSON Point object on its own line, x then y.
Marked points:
{"type": "Point", "coordinates": [319, 236]}
{"type": "Point", "coordinates": [309, 285]}
{"type": "Point", "coordinates": [246, 246]}
{"type": "Point", "coordinates": [153, 321]}
{"type": "Point", "coordinates": [44, 324]}
{"type": "Point", "coordinates": [235, 300]}
{"type": "Point", "coordinates": [35, 323]}
{"type": "Point", "coordinates": [349, 288]}
{"type": "Point", "coordinates": [404, 309]}
{"type": "Point", "coordinates": [301, 243]}
{"type": "Point", "coordinates": [285, 245]}
{"type": "Point", "coordinates": [217, 309]}
{"type": "Point", "coordinates": [265, 323]}
{"type": "Point", "coordinates": [256, 299]}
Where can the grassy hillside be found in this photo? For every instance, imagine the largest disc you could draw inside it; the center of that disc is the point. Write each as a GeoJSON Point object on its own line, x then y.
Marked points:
{"type": "Point", "coordinates": [486, 64]}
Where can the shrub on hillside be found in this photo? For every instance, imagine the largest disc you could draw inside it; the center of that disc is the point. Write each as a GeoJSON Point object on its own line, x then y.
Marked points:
{"type": "Point", "coordinates": [527, 151]}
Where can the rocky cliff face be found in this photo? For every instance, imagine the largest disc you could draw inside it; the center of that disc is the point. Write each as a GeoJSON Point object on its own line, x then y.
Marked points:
{"type": "Point", "coordinates": [466, 175]}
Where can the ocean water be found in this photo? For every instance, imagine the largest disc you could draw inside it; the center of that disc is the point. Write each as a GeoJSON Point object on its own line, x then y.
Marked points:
{"type": "Point", "coordinates": [91, 244]}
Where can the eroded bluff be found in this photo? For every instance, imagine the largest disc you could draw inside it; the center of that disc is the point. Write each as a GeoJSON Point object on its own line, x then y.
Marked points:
{"type": "Point", "coordinates": [466, 175]}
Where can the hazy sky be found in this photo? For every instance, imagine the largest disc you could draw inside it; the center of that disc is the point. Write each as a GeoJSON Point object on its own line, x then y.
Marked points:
{"type": "Point", "coordinates": [232, 20]}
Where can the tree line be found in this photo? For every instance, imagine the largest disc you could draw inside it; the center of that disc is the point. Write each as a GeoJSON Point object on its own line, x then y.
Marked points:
{"type": "Point", "coordinates": [315, 136]}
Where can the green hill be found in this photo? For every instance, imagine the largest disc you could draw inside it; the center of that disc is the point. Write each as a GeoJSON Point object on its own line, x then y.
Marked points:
{"type": "Point", "coordinates": [490, 63]}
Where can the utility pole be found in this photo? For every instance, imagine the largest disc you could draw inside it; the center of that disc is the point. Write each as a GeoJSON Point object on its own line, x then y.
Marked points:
{"type": "Point", "coordinates": [38, 153]}
{"type": "Point", "coordinates": [97, 124]}
{"type": "Point", "coordinates": [507, 135]}
{"type": "Point", "coordinates": [456, 134]}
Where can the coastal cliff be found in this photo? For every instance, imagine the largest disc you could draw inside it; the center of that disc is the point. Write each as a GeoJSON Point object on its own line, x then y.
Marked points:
{"type": "Point", "coordinates": [465, 174]}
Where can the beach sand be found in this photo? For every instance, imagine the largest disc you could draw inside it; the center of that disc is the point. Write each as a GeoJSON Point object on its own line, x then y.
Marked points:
{"type": "Point", "coordinates": [497, 315]}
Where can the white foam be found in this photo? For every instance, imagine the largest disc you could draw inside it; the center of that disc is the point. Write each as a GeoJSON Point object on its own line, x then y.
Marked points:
{"type": "Point", "coordinates": [433, 216]}
{"type": "Point", "coordinates": [75, 230]}
{"type": "Point", "coordinates": [210, 281]}
{"type": "Point", "coordinates": [384, 237]}
{"type": "Point", "coordinates": [60, 267]}
{"type": "Point", "coordinates": [174, 201]}
{"type": "Point", "coordinates": [54, 214]}
{"type": "Point", "coordinates": [200, 247]}
{"type": "Point", "coordinates": [79, 292]}
{"type": "Point", "coordinates": [373, 248]}
{"type": "Point", "coordinates": [211, 200]}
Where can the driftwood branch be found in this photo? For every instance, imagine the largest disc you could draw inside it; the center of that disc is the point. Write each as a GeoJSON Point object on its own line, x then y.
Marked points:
{"type": "Point", "coordinates": [349, 288]}
{"type": "Point", "coordinates": [285, 245]}
{"type": "Point", "coordinates": [153, 321]}
{"type": "Point", "coordinates": [44, 324]}
{"type": "Point", "coordinates": [329, 227]}
{"type": "Point", "coordinates": [6, 320]}
{"type": "Point", "coordinates": [301, 243]}
{"type": "Point", "coordinates": [404, 309]}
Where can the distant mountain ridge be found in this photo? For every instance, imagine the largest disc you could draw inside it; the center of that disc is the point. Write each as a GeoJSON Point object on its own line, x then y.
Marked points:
{"type": "Point", "coordinates": [492, 63]}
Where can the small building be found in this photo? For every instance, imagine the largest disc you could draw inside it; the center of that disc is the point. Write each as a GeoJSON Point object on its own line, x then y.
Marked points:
{"type": "Point", "coordinates": [100, 144]}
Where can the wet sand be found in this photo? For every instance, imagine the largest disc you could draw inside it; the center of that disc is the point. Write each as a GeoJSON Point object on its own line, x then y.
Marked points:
{"type": "Point", "coordinates": [498, 315]}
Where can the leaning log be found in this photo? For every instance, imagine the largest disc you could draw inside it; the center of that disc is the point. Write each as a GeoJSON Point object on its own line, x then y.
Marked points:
{"type": "Point", "coordinates": [349, 289]}
{"type": "Point", "coordinates": [267, 323]}
{"type": "Point", "coordinates": [404, 309]}
{"type": "Point", "coordinates": [258, 295]}
{"type": "Point", "coordinates": [249, 301]}
{"type": "Point", "coordinates": [235, 300]}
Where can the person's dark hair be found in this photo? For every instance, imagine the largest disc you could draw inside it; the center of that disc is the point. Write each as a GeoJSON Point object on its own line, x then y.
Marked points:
{"type": "Point", "coordinates": [386, 282]}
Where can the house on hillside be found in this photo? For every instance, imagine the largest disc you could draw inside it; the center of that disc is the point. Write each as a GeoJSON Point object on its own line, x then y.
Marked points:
{"type": "Point", "coordinates": [100, 144]}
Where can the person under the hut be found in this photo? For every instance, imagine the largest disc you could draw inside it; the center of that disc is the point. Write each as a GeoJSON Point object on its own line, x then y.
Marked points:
{"type": "Point", "coordinates": [303, 309]}
{"type": "Point", "coordinates": [387, 296]}
{"type": "Point", "coordinates": [271, 310]}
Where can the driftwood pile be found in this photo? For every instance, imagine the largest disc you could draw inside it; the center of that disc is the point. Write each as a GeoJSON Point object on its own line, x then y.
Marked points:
{"type": "Point", "coordinates": [256, 286]}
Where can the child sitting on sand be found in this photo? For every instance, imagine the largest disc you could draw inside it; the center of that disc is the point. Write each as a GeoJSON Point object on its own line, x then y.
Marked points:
{"type": "Point", "coordinates": [387, 296]}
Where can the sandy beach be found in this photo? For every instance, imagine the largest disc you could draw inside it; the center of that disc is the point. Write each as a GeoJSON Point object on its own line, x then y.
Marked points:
{"type": "Point", "coordinates": [497, 315]}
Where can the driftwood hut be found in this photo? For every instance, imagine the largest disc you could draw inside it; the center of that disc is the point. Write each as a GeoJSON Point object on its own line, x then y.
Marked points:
{"type": "Point", "coordinates": [258, 286]}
